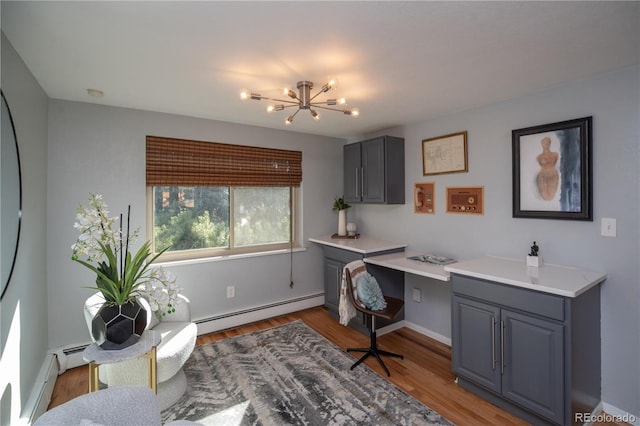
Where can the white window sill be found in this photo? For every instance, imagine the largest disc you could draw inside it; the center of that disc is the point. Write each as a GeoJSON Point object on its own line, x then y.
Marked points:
{"type": "Point", "coordinates": [221, 258]}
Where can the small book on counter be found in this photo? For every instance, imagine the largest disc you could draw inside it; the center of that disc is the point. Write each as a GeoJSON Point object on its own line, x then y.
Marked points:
{"type": "Point", "coordinates": [429, 258]}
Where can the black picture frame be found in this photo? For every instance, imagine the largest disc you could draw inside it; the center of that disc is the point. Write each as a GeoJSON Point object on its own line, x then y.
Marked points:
{"type": "Point", "coordinates": [552, 170]}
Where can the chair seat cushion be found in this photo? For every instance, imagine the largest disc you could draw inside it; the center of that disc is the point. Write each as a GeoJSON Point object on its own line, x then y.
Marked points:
{"type": "Point", "coordinates": [369, 292]}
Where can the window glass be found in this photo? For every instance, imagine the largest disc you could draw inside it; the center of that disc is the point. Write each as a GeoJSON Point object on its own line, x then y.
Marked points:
{"type": "Point", "coordinates": [196, 221]}
{"type": "Point", "coordinates": [261, 216]}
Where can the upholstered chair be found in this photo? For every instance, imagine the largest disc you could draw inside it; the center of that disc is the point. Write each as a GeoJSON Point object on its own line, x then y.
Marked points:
{"type": "Point", "coordinates": [116, 406]}
{"type": "Point", "coordinates": [178, 341]}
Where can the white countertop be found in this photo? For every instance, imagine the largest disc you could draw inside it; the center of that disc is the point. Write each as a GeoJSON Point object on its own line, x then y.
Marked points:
{"type": "Point", "coordinates": [400, 262]}
{"type": "Point", "coordinates": [362, 245]}
{"type": "Point", "coordinates": [553, 279]}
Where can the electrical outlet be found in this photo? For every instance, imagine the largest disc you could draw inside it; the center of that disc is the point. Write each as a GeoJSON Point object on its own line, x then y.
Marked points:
{"type": "Point", "coordinates": [417, 295]}
{"type": "Point", "coordinates": [608, 227]}
{"type": "Point", "coordinates": [231, 291]}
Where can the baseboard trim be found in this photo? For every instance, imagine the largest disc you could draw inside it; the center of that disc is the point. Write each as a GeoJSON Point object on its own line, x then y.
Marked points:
{"type": "Point", "coordinates": [614, 414]}
{"type": "Point", "coordinates": [258, 313]}
{"type": "Point", "coordinates": [42, 390]}
{"type": "Point", "coordinates": [429, 333]}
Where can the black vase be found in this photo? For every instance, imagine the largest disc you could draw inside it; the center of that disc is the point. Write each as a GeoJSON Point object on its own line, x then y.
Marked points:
{"type": "Point", "coordinates": [118, 326]}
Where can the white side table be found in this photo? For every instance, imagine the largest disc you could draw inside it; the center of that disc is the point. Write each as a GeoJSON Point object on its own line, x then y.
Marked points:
{"type": "Point", "coordinates": [143, 348]}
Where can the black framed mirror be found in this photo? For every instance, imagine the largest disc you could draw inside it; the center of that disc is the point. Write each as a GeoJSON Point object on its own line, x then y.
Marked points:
{"type": "Point", "coordinates": [10, 197]}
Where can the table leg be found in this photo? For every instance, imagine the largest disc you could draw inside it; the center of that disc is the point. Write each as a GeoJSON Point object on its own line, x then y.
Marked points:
{"type": "Point", "coordinates": [93, 376]}
{"type": "Point", "coordinates": [153, 373]}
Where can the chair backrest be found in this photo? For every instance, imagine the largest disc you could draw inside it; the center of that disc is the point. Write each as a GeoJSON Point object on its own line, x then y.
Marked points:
{"type": "Point", "coordinates": [350, 289]}
{"type": "Point", "coordinates": [394, 305]}
{"type": "Point", "coordinates": [111, 406]}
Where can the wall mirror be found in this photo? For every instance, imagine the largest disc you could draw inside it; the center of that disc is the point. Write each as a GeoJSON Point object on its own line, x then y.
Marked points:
{"type": "Point", "coordinates": [10, 198]}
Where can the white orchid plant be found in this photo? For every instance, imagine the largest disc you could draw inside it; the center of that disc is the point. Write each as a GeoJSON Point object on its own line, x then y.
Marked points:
{"type": "Point", "coordinates": [121, 277]}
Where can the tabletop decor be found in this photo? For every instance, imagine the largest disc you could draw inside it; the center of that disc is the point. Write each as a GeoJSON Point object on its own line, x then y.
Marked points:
{"type": "Point", "coordinates": [127, 283]}
{"type": "Point", "coordinates": [341, 207]}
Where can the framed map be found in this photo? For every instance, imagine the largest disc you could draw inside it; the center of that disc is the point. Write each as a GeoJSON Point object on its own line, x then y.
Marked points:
{"type": "Point", "coordinates": [445, 154]}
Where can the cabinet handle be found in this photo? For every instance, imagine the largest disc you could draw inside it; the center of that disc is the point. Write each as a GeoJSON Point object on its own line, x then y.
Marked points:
{"type": "Point", "coordinates": [502, 347]}
{"type": "Point", "coordinates": [493, 342]}
{"type": "Point", "coordinates": [357, 188]}
{"type": "Point", "coordinates": [362, 179]}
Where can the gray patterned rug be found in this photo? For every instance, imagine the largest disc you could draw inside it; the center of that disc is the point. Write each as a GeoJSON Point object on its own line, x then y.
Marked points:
{"type": "Point", "coordinates": [290, 375]}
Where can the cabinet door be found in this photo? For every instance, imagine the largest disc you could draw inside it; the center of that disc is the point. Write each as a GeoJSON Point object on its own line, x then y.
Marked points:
{"type": "Point", "coordinates": [475, 344]}
{"type": "Point", "coordinates": [373, 171]}
{"type": "Point", "coordinates": [332, 283]}
{"type": "Point", "coordinates": [352, 173]}
{"type": "Point", "coordinates": [533, 364]}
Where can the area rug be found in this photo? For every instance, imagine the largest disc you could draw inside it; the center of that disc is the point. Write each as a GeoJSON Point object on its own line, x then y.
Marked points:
{"type": "Point", "coordinates": [290, 375]}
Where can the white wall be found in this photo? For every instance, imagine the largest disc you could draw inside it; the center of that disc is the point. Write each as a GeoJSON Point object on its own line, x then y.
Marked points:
{"type": "Point", "coordinates": [23, 310]}
{"type": "Point", "coordinates": [101, 149]}
{"type": "Point", "coordinates": [613, 101]}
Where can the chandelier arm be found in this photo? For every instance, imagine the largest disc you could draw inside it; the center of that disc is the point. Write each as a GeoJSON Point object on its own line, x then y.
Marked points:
{"type": "Point", "coordinates": [315, 96]}
{"type": "Point", "coordinates": [293, 103]}
{"type": "Point", "coordinates": [323, 107]}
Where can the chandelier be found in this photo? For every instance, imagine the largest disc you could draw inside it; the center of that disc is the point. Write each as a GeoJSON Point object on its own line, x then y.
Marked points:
{"type": "Point", "coordinates": [303, 100]}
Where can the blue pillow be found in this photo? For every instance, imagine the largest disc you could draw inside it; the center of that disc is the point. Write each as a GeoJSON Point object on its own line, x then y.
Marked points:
{"type": "Point", "coordinates": [369, 292]}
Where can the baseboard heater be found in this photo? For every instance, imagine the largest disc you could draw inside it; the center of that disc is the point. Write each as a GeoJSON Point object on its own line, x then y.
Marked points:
{"type": "Point", "coordinates": [258, 313]}
{"type": "Point", "coordinates": [72, 357]}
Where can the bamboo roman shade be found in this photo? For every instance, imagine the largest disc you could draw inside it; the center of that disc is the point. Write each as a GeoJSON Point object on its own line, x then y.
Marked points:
{"type": "Point", "coordinates": [193, 163]}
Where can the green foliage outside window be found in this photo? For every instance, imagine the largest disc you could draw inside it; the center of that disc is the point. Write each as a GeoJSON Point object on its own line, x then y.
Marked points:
{"type": "Point", "coordinates": [188, 218]}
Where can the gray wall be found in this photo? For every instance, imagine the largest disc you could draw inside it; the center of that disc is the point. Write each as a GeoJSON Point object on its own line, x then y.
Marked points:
{"type": "Point", "coordinates": [613, 101]}
{"type": "Point", "coordinates": [23, 310]}
{"type": "Point", "coordinates": [101, 149]}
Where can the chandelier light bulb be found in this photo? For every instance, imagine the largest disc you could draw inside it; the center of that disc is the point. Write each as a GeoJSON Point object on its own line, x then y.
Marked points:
{"type": "Point", "coordinates": [314, 114]}
{"type": "Point", "coordinates": [270, 108]}
{"type": "Point", "coordinates": [244, 94]}
{"type": "Point", "coordinates": [353, 112]}
{"type": "Point", "coordinates": [342, 101]}
{"type": "Point", "coordinates": [289, 121]}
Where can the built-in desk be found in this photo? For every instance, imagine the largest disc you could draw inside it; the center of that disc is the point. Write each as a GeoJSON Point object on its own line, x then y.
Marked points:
{"type": "Point", "coordinates": [340, 251]}
{"type": "Point", "coordinates": [399, 262]}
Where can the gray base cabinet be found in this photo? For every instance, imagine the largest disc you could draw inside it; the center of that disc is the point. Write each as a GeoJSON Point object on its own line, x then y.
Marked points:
{"type": "Point", "coordinates": [374, 171]}
{"type": "Point", "coordinates": [534, 354]}
{"type": "Point", "coordinates": [391, 283]}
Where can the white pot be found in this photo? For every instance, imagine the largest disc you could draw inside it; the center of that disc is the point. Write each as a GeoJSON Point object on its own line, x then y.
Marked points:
{"type": "Point", "coordinates": [342, 222]}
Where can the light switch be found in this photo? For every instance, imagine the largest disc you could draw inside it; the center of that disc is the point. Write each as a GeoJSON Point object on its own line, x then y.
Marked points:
{"type": "Point", "coordinates": [608, 227]}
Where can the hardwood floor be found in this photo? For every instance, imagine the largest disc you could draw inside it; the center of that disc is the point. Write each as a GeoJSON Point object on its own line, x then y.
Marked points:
{"type": "Point", "coordinates": [425, 373]}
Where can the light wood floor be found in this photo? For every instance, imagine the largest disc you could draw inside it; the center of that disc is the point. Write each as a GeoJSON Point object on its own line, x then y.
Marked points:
{"type": "Point", "coordinates": [425, 373]}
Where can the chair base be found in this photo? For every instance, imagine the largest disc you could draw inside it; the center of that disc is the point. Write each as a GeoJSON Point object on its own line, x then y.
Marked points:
{"type": "Point", "coordinates": [373, 350]}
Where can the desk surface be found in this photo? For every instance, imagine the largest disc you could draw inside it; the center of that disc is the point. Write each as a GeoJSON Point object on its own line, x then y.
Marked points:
{"type": "Point", "coordinates": [362, 245]}
{"type": "Point", "coordinates": [553, 279]}
{"type": "Point", "coordinates": [400, 262]}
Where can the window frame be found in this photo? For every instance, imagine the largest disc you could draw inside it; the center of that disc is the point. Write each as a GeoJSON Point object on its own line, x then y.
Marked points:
{"type": "Point", "coordinates": [230, 250]}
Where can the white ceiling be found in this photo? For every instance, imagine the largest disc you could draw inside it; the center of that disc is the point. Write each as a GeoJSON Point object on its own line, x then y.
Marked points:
{"type": "Point", "coordinates": [398, 62]}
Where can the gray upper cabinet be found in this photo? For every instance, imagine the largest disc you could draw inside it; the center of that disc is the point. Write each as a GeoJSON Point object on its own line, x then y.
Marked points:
{"type": "Point", "coordinates": [374, 171]}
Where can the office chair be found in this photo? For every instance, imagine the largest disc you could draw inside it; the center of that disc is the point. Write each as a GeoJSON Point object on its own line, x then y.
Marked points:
{"type": "Point", "coordinates": [394, 306]}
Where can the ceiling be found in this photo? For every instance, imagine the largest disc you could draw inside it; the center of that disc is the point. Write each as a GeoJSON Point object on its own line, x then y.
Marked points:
{"type": "Point", "coordinates": [398, 62]}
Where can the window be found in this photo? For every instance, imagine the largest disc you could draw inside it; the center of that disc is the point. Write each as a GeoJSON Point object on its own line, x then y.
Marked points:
{"type": "Point", "coordinates": [206, 199]}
